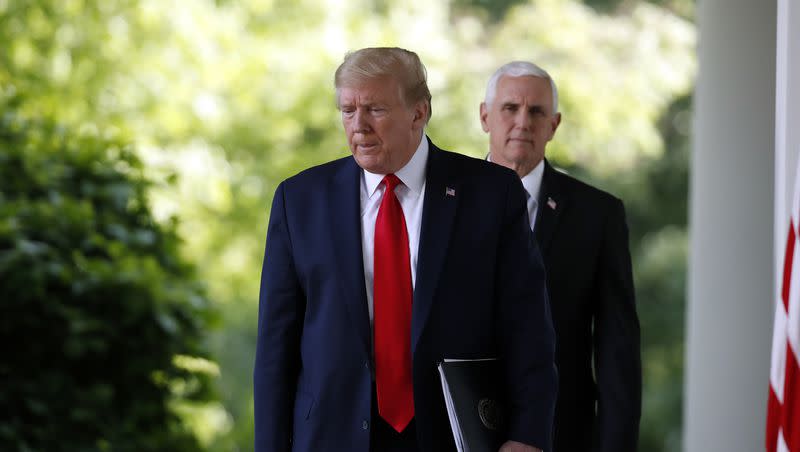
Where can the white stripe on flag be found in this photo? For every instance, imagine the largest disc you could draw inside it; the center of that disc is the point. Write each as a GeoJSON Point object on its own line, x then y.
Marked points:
{"type": "Point", "coordinates": [782, 447]}
{"type": "Point", "coordinates": [793, 316]}
{"type": "Point", "coordinates": [777, 371]}
{"type": "Point", "coordinates": [793, 308]}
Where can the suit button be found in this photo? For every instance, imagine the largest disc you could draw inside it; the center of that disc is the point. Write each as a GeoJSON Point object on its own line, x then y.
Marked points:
{"type": "Point", "coordinates": [365, 425]}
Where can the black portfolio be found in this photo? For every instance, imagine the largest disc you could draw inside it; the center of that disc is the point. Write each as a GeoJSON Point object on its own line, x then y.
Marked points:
{"type": "Point", "coordinates": [472, 394]}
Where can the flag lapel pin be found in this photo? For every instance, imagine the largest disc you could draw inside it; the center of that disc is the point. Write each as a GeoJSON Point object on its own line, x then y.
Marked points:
{"type": "Point", "coordinates": [448, 191]}
{"type": "Point", "coordinates": [551, 203]}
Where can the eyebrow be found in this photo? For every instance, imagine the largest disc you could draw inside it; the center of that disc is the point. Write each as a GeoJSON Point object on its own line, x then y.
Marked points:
{"type": "Point", "coordinates": [533, 107]}
{"type": "Point", "coordinates": [366, 103]}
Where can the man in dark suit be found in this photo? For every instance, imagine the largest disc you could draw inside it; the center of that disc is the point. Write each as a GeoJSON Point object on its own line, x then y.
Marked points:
{"type": "Point", "coordinates": [381, 264]}
{"type": "Point", "coordinates": [583, 237]}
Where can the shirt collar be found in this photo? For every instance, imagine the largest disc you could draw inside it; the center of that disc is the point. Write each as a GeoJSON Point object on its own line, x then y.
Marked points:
{"type": "Point", "coordinates": [533, 180]}
{"type": "Point", "coordinates": [412, 174]}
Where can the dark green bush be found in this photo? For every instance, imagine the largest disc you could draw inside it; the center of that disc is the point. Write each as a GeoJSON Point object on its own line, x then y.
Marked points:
{"type": "Point", "coordinates": [98, 311]}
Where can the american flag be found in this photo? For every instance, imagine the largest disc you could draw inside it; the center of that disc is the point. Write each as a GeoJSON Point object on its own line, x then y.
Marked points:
{"type": "Point", "coordinates": [783, 408]}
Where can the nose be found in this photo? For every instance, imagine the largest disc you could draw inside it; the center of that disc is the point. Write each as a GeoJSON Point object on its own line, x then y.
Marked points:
{"type": "Point", "coordinates": [360, 122]}
{"type": "Point", "coordinates": [522, 120]}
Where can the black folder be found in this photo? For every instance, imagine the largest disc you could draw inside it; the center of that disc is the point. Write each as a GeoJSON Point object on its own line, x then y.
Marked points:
{"type": "Point", "coordinates": [472, 393]}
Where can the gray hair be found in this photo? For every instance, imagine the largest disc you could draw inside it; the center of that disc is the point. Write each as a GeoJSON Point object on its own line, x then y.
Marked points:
{"type": "Point", "coordinates": [401, 64]}
{"type": "Point", "coordinates": [519, 69]}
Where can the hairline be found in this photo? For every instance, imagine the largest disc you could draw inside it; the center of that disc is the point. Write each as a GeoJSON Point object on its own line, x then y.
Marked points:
{"type": "Point", "coordinates": [407, 63]}
{"type": "Point", "coordinates": [519, 69]}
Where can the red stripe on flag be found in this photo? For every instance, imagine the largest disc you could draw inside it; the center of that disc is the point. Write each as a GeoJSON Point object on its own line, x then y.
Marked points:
{"type": "Point", "coordinates": [782, 416]}
{"type": "Point", "coordinates": [791, 402]}
{"type": "Point", "coordinates": [773, 420]}
{"type": "Point", "coordinates": [787, 266]}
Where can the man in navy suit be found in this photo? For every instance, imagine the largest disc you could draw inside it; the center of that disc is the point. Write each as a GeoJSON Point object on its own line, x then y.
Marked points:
{"type": "Point", "coordinates": [381, 264]}
{"type": "Point", "coordinates": [584, 239]}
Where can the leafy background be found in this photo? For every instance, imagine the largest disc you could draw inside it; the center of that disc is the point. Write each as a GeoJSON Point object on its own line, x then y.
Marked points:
{"type": "Point", "coordinates": [202, 107]}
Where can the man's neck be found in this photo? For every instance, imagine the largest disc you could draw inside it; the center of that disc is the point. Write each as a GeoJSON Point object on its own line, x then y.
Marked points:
{"type": "Point", "coordinates": [522, 169]}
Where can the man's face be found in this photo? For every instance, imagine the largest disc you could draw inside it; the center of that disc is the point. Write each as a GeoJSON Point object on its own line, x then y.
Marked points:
{"type": "Point", "coordinates": [382, 131]}
{"type": "Point", "coordinates": [520, 122]}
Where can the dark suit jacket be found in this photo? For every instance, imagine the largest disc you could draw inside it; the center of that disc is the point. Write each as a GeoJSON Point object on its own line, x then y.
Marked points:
{"type": "Point", "coordinates": [584, 241]}
{"type": "Point", "coordinates": [313, 363]}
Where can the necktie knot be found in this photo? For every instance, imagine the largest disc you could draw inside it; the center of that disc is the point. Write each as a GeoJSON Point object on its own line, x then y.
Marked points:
{"type": "Point", "coordinates": [391, 181]}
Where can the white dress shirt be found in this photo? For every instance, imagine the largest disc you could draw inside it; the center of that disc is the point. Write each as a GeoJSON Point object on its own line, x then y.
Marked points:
{"type": "Point", "coordinates": [411, 194]}
{"type": "Point", "coordinates": [533, 185]}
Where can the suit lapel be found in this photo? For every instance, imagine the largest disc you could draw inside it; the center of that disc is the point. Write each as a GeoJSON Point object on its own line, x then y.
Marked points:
{"type": "Point", "coordinates": [438, 213]}
{"type": "Point", "coordinates": [345, 220]}
{"type": "Point", "coordinates": [552, 202]}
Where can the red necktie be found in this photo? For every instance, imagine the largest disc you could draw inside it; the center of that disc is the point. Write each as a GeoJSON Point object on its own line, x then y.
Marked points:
{"type": "Point", "coordinates": [392, 307]}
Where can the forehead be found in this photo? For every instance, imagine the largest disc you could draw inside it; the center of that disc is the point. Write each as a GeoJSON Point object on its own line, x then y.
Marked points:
{"type": "Point", "coordinates": [526, 88]}
{"type": "Point", "coordinates": [384, 89]}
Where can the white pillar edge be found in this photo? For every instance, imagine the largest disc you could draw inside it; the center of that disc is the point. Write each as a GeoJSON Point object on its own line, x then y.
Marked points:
{"type": "Point", "coordinates": [781, 113]}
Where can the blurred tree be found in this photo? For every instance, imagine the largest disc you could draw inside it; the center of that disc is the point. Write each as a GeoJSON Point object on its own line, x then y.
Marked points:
{"type": "Point", "coordinates": [496, 10]}
{"type": "Point", "coordinates": [102, 320]}
{"type": "Point", "coordinates": [683, 8]}
{"type": "Point", "coordinates": [659, 203]}
{"type": "Point", "coordinates": [234, 96]}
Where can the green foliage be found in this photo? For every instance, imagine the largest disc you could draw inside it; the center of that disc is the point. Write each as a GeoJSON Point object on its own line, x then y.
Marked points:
{"type": "Point", "coordinates": [102, 318]}
{"type": "Point", "coordinates": [234, 96]}
{"type": "Point", "coordinates": [659, 203]}
{"type": "Point", "coordinates": [497, 9]}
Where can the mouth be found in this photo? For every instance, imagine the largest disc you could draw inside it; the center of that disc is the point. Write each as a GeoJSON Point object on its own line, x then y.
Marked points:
{"type": "Point", "coordinates": [366, 147]}
{"type": "Point", "coordinates": [520, 140]}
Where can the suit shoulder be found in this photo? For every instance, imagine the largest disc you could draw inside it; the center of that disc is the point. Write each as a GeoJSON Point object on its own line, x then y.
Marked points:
{"type": "Point", "coordinates": [320, 171]}
{"type": "Point", "coordinates": [318, 174]}
{"type": "Point", "coordinates": [582, 190]}
{"type": "Point", "coordinates": [476, 168]}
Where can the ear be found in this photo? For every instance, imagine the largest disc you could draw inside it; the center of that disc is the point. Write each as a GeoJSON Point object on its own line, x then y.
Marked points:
{"type": "Point", "coordinates": [420, 115]}
{"type": "Point", "coordinates": [556, 121]}
{"type": "Point", "coordinates": [484, 112]}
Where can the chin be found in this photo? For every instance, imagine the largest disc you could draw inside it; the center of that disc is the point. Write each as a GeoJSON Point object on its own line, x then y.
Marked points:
{"type": "Point", "coordinates": [519, 154]}
{"type": "Point", "coordinates": [370, 163]}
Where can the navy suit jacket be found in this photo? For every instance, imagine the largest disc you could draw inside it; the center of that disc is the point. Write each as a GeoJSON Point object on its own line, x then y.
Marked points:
{"type": "Point", "coordinates": [479, 292]}
{"type": "Point", "coordinates": [584, 239]}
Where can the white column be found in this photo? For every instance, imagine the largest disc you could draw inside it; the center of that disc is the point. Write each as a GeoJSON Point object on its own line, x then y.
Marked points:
{"type": "Point", "coordinates": [730, 286]}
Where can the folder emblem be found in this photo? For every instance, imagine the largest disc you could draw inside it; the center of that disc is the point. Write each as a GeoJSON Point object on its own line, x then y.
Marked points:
{"type": "Point", "coordinates": [490, 413]}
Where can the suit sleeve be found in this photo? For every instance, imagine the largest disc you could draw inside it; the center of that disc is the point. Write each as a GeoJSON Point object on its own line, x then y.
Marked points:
{"type": "Point", "coordinates": [280, 314]}
{"type": "Point", "coordinates": [617, 356]}
{"type": "Point", "coordinates": [527, 345]}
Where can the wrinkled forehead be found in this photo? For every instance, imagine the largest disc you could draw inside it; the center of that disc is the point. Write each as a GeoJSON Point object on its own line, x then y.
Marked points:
{"type": "Point", "coordinates": [527, 89]}
{"type": "Point", "coordinates": [367, 90]}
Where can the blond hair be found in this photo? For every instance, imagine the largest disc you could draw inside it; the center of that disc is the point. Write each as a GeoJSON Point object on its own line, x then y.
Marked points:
{"type": "Point", "coordinates": [374, 62]}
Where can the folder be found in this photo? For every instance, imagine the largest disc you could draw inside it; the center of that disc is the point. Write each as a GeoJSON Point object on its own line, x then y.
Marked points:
{"type": "Point", "coordinates": [472, 394]}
